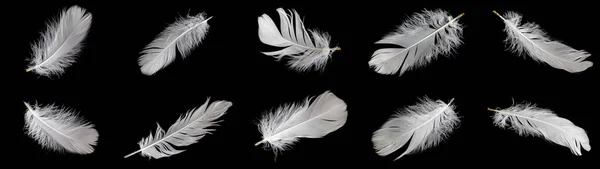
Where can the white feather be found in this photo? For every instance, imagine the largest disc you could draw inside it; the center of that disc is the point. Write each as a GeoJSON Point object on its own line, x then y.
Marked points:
{"type": "Point", "coordinates": [187, 130]}
{"type": "Point", "coordinates": [528, 120]}
{"type": "Point", "coordinates": [305, 53]}
{"type": "Point", "coordinates": [421, 38]}
{"type": "Point", "coordinates": [184, 35]}
{"type": "Point", "coordinates": [282, 128]}
{"type": "Point", "coordinates": [530, 39]}
{"type": "Point", "coordinates": [60, 43]}
{"type": "Point", "coordinates": [60, 129]}
{"type": "Point", "coordinates": [421, 126]}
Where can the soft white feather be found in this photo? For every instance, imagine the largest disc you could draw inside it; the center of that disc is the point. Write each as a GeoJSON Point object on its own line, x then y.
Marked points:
{"type": "Point", "coordinates": [61, 42]}
{"type": "Point", "coordinates": [305, 53]}
{"type": "Point", "coordinates": [60, 129]}
{"type": "Point", "coordinates": [528, 119]}
{"type": "Point", "coordinates": [530, 39]}
{"type": "Point", "coordinates": [421, 126]}
{"type": "Point", "coordinates": [187, 130]}
{"type": "Point", "coordinates": [421, 38]}
{"type": "Point", "coordinates": [184, 35]}
{"type": "Point", "coordinates": [282, 128]}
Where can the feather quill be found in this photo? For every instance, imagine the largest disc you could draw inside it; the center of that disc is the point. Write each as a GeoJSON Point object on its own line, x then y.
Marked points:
{"type": "Point", "coordinates": [59, 129]}
{"type": "Point", "coordinates": [421, 38]}
{"type": "Point", "coordinates": [282, 128]}
{"type": "Point", "coordinates": [182, 35]}
{"type": "Point", "coordinates": [528, 120]}
{"type": "Point", "coordinates": [60, 43]}
{"type": "Point", "coordinates": [530, 39]}
{"type": "Point", "coordinates": [187, 130]}
{"type": "Point", "coordinates": [421, 126]}
{"type": "Point", "coordinates": [306, 52]}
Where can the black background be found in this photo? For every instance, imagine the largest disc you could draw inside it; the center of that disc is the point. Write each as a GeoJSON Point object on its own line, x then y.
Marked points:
{"type": "Point", "coordinates": [107, 88]}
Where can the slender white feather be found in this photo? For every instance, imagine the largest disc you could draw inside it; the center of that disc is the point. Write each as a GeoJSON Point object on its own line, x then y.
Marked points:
{"type": "Point", "coordinates": [184, 35]}
{"type": "Point", "coordinates": [282, 128]}
{"type": "Point", "coordinates": [60, 129]}
{"type": "Point", "coordinates": [528, 119]}
{"type": "Point", "coordinates": [530, 39]}
{"type": "Point", "coordinates": [421, 126]}
{"type": "Point", "coordinates": [61, 42]}
{"type": "Point", "coordinates": [305, 53]}
{"type": "Point", "coordinates": [187, 130]}
{"type": "Point", "coordinates": [421, 38]}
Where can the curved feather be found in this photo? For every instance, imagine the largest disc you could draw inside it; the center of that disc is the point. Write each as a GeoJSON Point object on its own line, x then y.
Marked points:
{"type": "Point", "coordinates": [282, 128]}
{"type": "Point", "coordinates": [187, 130]}
{"type": "Point", "coordinates": [528, 119]}
{"type": "Point", "coordinates": [184, 35]}
{"type": "Point", "coordinates": [60, 129]}
{"type": "Point", "coordinates": [421, 126]}
{"type": "Point", "coordinates": [61, 42]}
{"type": "Point", "coordinates": [421, 38]}
{"type": "Point", "coordinates": [530, 39]}
{"type": "Point", "coordinates": [305, 52]}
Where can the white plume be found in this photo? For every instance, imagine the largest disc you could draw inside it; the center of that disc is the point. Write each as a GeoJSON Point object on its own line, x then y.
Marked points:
{"type": "Point", "coordinates": [187, 130]}
{"type": "Point", "coordinates": [60, 129]}
{"type": "Point", "coordinates": [184, 35]}
{"type": "Point", "coordinates": [530, 39]}
{"type": "Point", "coordinates": [425, 125]}
{"type": "Point", "coordinates": [282, 128]}
{"type": "Point", "coordinates": [61, 42]}
{"type": "Point", "coordinates": [304, 55]}
{"type": "Point", "coordinates": [527, 120]}
{"type": "Point", "coordinates": [421, 39]}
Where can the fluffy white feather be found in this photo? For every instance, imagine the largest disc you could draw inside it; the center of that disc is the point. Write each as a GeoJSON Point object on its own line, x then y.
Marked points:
{"type": "Point", "coordinates": [421, 38]}
{"type": "Point", "coordinates": [61, 42]}
{"type": "Point", "coordinates": [530, 39]}
{"type": "Point", "coordinates": [528, 119]}
{"type": "Point", "coordinates": [305, 53]}
{"type": "Point", "coordinates": [60, 129]}
{"type": "Point", "coordinates": [187, 130]}
{"type": "Point", "coordinates": [421, 126]}
{"type": "Point", "coordinates": [282, 128]}
{"type": "Point", "coordinates": [184, 35]}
